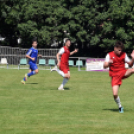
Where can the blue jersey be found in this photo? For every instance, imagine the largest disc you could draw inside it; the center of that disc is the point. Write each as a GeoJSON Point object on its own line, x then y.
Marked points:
{"type": "Point", "coordinates": [33, 53]}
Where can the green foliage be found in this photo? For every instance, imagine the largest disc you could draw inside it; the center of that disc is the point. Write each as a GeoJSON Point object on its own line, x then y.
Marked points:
{"type": "Point", "coordinates": [97, 23]}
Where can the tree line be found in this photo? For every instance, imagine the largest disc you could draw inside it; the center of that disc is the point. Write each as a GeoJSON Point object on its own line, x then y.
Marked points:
{"type": "Point", "coordinates": [92, 25]}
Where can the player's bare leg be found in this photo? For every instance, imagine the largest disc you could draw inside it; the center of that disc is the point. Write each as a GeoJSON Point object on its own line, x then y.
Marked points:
{"type": "Point", "coordinates": [59, 71]}
{"type": "Point", "coordinates": [129, 72]}
{"type": "Point", "coordinates": [116, 97]}
{"type": "Point", "coordinates": [115, 91]}
{"type": "Point", "coordinates": [65, 80]}
{"type": "Point", "coordinates": [67, 75]}
{"type": "Point", "coordinates": [30, 70]}
{"type": "Point", "coordinates": [36, 71]}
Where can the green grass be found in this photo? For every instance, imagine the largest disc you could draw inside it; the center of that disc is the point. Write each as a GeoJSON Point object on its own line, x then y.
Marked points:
{"type": "Point", "coordinates": [85, 107]}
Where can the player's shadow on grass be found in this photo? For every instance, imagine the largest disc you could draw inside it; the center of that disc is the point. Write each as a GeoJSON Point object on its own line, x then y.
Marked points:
{"type": "Point", "coordinates": [114, 110]}
{"type": "Point", "coordinates": [31, 83]}
{"type": "Point", "coordinates": [117, 110]}
{"type": "Point", "coordinates": [67, 88]}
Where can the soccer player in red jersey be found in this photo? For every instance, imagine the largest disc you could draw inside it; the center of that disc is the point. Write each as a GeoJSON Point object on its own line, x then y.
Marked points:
{"type": "Point", "coordinates": [63, 63]}
{"type": "Point", "coordinates": [116, 60]}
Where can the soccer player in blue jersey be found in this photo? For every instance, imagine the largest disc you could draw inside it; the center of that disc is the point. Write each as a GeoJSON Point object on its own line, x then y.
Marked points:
{"type": "Point", "coordinates": [32, 55]}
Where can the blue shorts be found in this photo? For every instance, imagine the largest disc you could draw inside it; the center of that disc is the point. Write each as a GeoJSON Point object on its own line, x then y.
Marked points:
{"type": "Point", "coordinates": [33, 66]}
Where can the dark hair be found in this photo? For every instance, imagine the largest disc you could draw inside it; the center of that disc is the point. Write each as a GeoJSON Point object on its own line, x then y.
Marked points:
{"type": "Point", "coordinates": [119, 44]}
{"type": "Point", "coordinates": [34, 40]}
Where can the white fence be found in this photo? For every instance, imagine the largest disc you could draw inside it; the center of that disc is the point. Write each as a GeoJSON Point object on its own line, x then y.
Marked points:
{"type": "Point", "coordinates": [14, 54]}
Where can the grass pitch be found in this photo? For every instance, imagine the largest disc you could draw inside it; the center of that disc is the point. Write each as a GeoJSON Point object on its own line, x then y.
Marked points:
{"type": "Point", "coordinates": [85, 107]}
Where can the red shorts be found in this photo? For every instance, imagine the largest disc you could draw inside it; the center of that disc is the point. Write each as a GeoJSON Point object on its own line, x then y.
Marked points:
{"type": "Point", "coordinates": [117, 78]}
{"type": "Point", "coordinates": [64, 68]}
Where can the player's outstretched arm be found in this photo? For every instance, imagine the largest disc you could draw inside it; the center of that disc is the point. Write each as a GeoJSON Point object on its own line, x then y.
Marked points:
{"type": "Point", "coordinates": [130, 63]}
{"type": "Point", "coordinates": [39, 55]}
{"type": "Point", "coordinates": [58, 59]}
{"type": "Point", "coordinates": [107, 64]}
{"type": "Point", "coordinates": [73, 52]}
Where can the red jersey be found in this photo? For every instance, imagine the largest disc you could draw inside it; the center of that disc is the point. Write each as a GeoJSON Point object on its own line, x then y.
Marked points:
{"type": "Point", "coordinates": [65, 56]}
{"type": "Point", "coordinates": [118, 63]}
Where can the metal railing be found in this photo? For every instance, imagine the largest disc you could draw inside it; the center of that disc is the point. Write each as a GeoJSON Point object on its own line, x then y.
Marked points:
{"type": "Point", "coordinates": [13, 56]}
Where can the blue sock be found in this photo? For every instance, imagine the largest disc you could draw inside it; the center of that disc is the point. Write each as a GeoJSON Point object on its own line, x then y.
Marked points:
{"type": "Point", "coordinates": [24, 79]}
{"type": "Point", "coordinates": [31, 73]}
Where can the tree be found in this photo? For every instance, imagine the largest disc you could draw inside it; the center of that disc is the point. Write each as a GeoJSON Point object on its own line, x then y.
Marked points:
{"type": "Point", "coordinates": [9, 20]}
{"type": "Point", "coordinates": [94, 25]}
{"type": "Point", "coordinates": [117, 23]}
